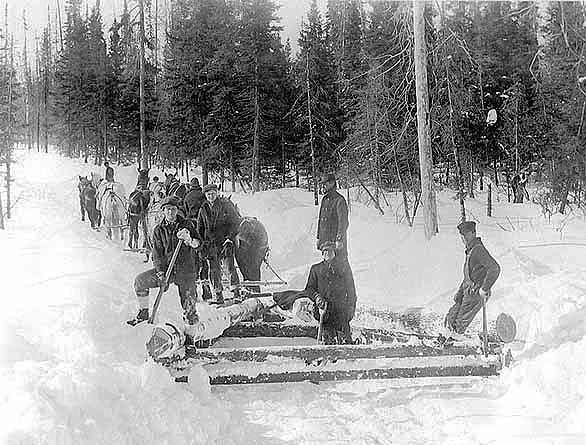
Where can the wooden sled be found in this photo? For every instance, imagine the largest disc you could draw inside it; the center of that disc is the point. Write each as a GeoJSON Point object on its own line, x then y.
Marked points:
{"type": "Point", "coordinates": [379, 354]}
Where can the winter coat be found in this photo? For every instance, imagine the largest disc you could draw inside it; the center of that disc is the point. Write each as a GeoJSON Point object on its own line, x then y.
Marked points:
{"type": "Point", "coordinates": [480, 269]}
{"type": "Point", "coordinates": [192, 202]}
{"type": "Point", "coordinates": [164, 243]}
{"type": "Point", "coordinates": [333, 281]}
{"type": "Point", "coordinates": [333, 218]}
{"type": "Point", "coordinates": [218, 222]}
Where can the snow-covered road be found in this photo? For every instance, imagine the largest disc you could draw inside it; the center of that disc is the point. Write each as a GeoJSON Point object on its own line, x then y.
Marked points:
{"type": "Point", "coordinates": [72, 372]}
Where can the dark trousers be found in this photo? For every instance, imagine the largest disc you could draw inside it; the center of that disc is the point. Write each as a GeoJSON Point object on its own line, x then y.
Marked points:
{"type": "Point", "coordinates": [336, 334]}
{"type": "Point", "coordinates": [214, 257]}
{"type": "Point", "coordinates": [465, 308]}
{"type": "Point", "coordinates": [204, 273]}
{"type": "Point", "coordinates": [148, 279]}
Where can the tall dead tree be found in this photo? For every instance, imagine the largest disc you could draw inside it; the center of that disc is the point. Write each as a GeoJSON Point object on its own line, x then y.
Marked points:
{"type": "Point", "coordinates": [9, 132]}
{"type": "Point", "coordinates": [256, 137]}
{"type": "Point", "coordinates": [144, 155]}
{"type": "Point", "coordinates": [313, 169]}
{"type": "Point", "coordinates": [423, 123]}
{"type": "Point", "coordinates": [28, 83]}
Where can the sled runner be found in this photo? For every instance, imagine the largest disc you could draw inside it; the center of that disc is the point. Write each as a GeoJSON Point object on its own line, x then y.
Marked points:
{"type": "Point", "coordinates": [385, 353]}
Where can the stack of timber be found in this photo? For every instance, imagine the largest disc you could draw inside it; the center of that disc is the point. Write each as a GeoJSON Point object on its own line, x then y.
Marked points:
{"type": "Point", "coordinates": [401, 350]}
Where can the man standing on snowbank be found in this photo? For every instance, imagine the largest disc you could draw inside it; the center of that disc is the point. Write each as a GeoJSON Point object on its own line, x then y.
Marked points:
{"type": "Point", "coordinates": [331, 286]}
{"type": "Point", "coordinates": [109, 172]}
{"type": "Point", "coordinates": [480, 273]}
{"type": "Point", "coordinates": [166, 236]}
{"type": "Point", "coordinates": [332, 223]}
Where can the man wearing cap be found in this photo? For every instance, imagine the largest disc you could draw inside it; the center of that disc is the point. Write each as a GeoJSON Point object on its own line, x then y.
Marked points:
{"type": "Point", "coordinates": [109, 172]}
{"type": "Point", "coordinates": [331, 286]}
{"type": "Point", "coordinates": [332, 224]}
{"type": "Point", "coordinates": [217, 224]}
{"type": "Point", "coordinates": [480, 273]}
{"type": "Point", "coordinates": [166, 236]}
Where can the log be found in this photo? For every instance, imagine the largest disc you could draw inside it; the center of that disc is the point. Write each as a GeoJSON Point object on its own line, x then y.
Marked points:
{"type": "Point", "coordinates": [483, 369]}
{"type": "Point", "coordinates": [311, 353]}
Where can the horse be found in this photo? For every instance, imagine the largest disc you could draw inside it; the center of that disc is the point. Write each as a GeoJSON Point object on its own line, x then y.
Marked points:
{"type": "Point", "coordinates": [173, 187]}
{"type": "Point", "coordinates": [138, 204]}
{"type": "Point", "coordinates": [87, 201]}
{"type": "Point", "coordinates": [251, 248]}
{"type": "Point", "coordinates": [112, 204]}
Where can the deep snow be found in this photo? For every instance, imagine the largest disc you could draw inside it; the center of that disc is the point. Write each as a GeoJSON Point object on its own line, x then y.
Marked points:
{"type": "Point", "coordinates": [72, 372]}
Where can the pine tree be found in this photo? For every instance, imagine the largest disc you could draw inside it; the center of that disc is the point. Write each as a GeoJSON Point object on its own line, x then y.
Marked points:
{"type": "Point", "coordinates": [315, 62]}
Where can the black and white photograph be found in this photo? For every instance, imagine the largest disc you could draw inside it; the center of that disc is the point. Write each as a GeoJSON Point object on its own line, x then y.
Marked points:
{"type": "Point", "coordinates": [292, 222]}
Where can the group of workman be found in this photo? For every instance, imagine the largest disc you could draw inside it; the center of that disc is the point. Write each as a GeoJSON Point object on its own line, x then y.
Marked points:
{"type": "Point", "coordinates": [207, 226]}
{"type": "Point", "coordinates": [330, 284]}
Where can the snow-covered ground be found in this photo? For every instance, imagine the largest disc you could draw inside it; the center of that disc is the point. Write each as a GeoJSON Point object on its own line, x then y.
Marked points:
{"type": "Point", "coordinates": [72, 372]}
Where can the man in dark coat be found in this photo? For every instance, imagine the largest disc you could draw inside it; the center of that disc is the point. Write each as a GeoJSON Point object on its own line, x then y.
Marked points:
{"type": "Point", "coordinates": [332, 224]}
{"type": "Point", "coordinates": [330, 281]}
{"type": "Point", "coordinates": [480, 273]}
{"type": "Point", "coordinates": [192, 203]}
{"type": "Point", "coordinates": [217, 223]}
{"type": "Point", "coordinates": [109, 172]}
{"type": "Point", "coordinates": [166, 236]}
{"type": "Point", "coordinates": [193, 200]}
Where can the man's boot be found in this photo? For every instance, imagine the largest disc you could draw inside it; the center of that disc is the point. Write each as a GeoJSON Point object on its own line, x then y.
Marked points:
{"type": "Point", "coordinates": [219, 298]}
{"type": "Point", "coordinates": [236, 295]}
{"type": "Point", "coordinates": [207, 293]}
{"type": "Point", "coordinates": [143, 314]}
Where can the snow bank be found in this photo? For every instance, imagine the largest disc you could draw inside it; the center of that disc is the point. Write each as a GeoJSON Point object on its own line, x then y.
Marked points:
{"type": "Point", "coordinates": [72, 372]}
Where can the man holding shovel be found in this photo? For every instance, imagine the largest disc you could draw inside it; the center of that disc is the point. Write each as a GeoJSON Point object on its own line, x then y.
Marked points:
{"type": "Point", "coordinates": [166, 236]}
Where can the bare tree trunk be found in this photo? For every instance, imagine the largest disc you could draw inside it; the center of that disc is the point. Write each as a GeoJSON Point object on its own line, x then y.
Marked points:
{"type": "Point", "coordinates": [283, 161]}
{"type": "Point", "coordinates": [156, 45]}
{"type": "Point", "coordinates": [59, 25]}
{"type": "Point", "coordinates": [423, 123]}
{"type": "Point", "coordinates": [232, 172]}
{"type": "Point", "coordinates": [456, 154]}
{"type": "Point", "coordinates": [38, 104]}
{"type": "Point", "coordinates": [144, 155]}
{"type": "Point", "coordinates": [1, 214]}
{"type": "Point", "coordinates": [28, 95]}
{"type": "Point", "coordinates": [489, 201]}
{"type": "Point", "coordinates": [313, 169]}
{"type": "Point", "coordinates": [256, 137]}
{"type": "Point", "coordinates": [9, 132]}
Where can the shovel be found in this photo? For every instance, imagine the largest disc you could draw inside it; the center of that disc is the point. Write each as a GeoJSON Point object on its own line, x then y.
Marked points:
{"type": "Point", "coordinates": [163, 285]}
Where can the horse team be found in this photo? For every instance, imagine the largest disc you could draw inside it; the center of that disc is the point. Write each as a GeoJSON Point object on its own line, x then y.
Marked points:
{"type": "Point", "coordinates": [105, 203]}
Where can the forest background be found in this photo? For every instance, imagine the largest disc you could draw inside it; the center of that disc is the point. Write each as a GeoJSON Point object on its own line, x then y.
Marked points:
{"type": "Point", "coordinates": [224, 92]}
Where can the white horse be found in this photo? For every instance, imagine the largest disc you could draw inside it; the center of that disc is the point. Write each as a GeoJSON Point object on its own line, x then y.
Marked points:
{"type": "Point", "coordinates": [112, 204]}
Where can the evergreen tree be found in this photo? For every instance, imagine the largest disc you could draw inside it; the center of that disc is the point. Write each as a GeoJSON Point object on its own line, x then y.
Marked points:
{"type": "Point", "coordinates": [315, 61]}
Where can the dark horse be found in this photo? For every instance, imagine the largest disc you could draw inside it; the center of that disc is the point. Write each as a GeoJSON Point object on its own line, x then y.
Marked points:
{"type": "Point", "coordinates": [87, 201]}
{"type": "Point", "coordinates": [252, 246]}
{"type": "Point", "coordinates": [138, 207]}
{"type": "Point", "coordinates": [251, 249]}
{"type": "Point", "coordinates": [173, 187]}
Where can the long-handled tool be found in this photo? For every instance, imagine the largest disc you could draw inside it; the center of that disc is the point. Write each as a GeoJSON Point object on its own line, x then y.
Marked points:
{"type": "Point", "coordinates": [484, 326]}
{"type": "Point", "coordinates": [320, 331]}
{"type": "Point", "coordinates": [164, 285]}
{"type": "Point", "coordinates": [273, 270]}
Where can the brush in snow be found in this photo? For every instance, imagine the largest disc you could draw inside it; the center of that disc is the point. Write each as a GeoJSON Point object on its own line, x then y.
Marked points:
{"type": "Point", "coordinates": [384, 354]}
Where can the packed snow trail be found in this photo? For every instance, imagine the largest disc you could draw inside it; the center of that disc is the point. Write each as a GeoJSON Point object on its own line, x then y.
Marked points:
{"type": "Point", "coordinates": [72, 372]}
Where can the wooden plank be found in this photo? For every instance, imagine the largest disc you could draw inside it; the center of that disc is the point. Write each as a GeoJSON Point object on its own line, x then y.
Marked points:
{"type": "Point", "coordinates": [311, 353]}
{"type": "Point", "coordinates": [488, 369]}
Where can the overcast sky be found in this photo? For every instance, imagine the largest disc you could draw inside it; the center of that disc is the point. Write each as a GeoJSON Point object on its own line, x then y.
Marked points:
{"type": "Point", "coordinates": [291, 12]}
